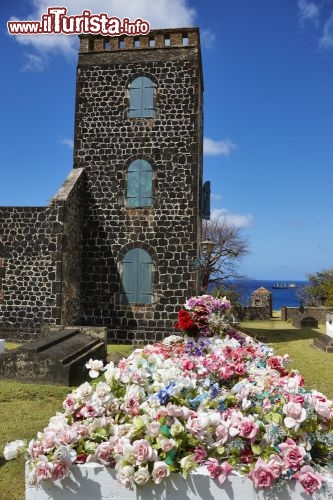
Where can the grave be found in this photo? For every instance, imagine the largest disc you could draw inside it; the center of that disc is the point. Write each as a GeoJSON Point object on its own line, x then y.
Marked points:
{"type": "Point", "coordinates": [304, 321]}
{"type": "Point", "coordinates": [57, 359]}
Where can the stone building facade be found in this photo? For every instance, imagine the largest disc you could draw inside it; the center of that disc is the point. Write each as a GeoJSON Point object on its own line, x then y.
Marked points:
{"type": "Point", "coordinates": [116, 245]}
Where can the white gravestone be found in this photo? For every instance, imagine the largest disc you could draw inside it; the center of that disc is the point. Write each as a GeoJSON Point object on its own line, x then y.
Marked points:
{"type": "Point", "coordinates": [96, 482]}
{"type": "Point", "coordinates": [329, 324]}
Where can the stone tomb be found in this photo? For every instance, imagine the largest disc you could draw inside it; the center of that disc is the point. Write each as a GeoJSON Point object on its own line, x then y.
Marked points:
{"type": "Point", "coordinates": [304, 321]}
{"type": "Point", "coordinates": [59, 358]}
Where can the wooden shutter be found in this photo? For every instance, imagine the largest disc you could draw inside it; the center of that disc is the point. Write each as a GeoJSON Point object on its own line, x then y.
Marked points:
{"type": "Point", "coordinates": [139, 184]}
{"type": "Point", "coordinates": [128, 281]}
{"type": "Point", "coordinates": [145, 184]}
{"type": "Point", "coordinates": [133, 183]}
{"type": "Point", "coordinates": [136, 277]}
{"type": "Point", "coordinates": [144, 294]}
{"type": "Point", "coordinates": [141, 98]}
{"type": "Point", "coordinates": [147, 97]}
{"type": "Point", "coordinates": [206, 201]}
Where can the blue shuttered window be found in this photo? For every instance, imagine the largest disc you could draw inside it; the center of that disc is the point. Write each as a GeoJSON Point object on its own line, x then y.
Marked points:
{"type": "Point", "coordinates": [139, 184]}
{"type": "Point", "coordinates": [141, 98]}
{"type": "Point", "coordinates": [137, 277]}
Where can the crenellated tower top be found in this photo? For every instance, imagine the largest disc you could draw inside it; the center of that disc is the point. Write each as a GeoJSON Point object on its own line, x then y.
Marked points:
{"type": "Point", "coordinates": [155, 39]}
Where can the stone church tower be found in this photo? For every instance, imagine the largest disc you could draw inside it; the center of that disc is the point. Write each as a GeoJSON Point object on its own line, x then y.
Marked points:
{"type": "Point", "coordinates": [138, 137]}
{"type": "Point", "coordinates": [117, 243]}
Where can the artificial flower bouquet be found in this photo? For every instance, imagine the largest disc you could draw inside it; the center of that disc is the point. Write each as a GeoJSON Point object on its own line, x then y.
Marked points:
{"type": "Point", "coordinates": [204, 316]}
{"type": "Point", "coordinates": [226, 405]}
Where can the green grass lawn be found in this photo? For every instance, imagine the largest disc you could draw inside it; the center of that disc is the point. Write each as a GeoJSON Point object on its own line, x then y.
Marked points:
{"type": "Point", "coordinates": [316, 366]}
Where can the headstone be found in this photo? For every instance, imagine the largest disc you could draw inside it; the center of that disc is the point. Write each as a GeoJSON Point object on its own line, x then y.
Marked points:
{"type": "Point", "coordinates": [2, 346]}
{"type": "Point", "coordinates": [329, 324]}
{"type": "Point", "coordinates": [304, 321]}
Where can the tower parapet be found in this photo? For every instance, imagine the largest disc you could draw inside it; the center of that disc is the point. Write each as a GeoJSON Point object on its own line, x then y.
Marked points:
{"type": "Point", "coordinates": [155, 39]}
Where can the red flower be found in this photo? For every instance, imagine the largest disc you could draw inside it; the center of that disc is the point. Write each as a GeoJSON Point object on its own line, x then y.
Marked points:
{"type": "Point", "coordinates": [186, 323]}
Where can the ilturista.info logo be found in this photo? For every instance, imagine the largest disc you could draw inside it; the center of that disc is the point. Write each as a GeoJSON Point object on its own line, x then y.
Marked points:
{"type": "Point", "coordinates": [57, 22]}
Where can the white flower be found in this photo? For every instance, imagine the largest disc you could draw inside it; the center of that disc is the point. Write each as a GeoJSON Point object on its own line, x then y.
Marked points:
{"type": "Point", "coordinates": [64, 454]}
{"type": "Point", "coordinates": [125, 475]}
{"type": "Point", "coordinates": [141, 476]}
{"type": "Point", "coordinates": [13, 449]}
{"type": "Point", "coordinates": [84, 392]}
{"type": "Point", "coordinates": [95, 366]}
{"type": "Point", "coordinates": [58, 422]}
{"type": "Point", "coordinates": [102, 393]}
{"type": "Point", "coordinates": [172, 339]}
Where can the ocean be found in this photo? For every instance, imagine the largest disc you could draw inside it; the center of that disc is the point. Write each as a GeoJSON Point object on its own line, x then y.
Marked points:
{"type": "Point", "coordinates": [281, 297]}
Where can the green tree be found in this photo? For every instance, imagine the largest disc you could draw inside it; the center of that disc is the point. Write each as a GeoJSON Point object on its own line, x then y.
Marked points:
{"type": "Point", "coordinates": [319, 291]}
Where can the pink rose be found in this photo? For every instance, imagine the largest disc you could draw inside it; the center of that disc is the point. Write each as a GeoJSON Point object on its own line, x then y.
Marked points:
{"type": "Point", "coordinates": [167, 444]}
{"type": "Point", "coordinates": [67, 435]}
{"type": "Point", "coordinates": [143, 451]}
{"type": "Point", "coordinates": [323, 408]}
{"type": "Point", "coordinates": [262, 475]}
{"type": "Point", "coordinates": [292, 454]}
{"type": "Point", "coordinates": [222, 433]}
{"type": "Point", "coordinates": [276, 464]}
{"type": "Point", "coordinates": [240, 368]}
{"type": "Point", "coordinates": [60, 470]}
{"type": "Point", "coordinates": [103, 452]}
{"type": "Point", "coordinates": [49, 440]}
{"type": "Point", "coordinates": [160, 471]}
{"type": "Point", "coordinates": [218, 471]}
{"type": "Point", "coordinates": [35, 449]}
{"type": "Point", "coordinates": [296, 398]}
{"type": "Point", "coordinates": [309, 479]}
{"type": "Point", "coordinates": [248, 428]}
{"type": "Point", "coordinates": [69, 403]}
{"type": "Point", "coordinates": [187, 364]}
{"type": "Point", "coordinates": [295, 415]}
{"type": "Point", "coordinates": [88, 411]}
{"type": "Point", "coordinates": [200, 454]}
{"type": "Point", "coordinates": [43, 470]}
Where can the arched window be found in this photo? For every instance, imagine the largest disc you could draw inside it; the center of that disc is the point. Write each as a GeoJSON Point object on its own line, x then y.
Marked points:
{"type": "Point", "coordinates": [139, 184]}
{"type": "Point", "coordinates": [141, 94]}
{"type": "Point", "coordinates": [137, 277]}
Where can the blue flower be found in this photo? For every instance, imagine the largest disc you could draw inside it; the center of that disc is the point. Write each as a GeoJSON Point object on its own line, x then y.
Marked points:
{"type": "Point", "coordinates": [214, 390]}
{"type": "Point", "coordinates": [164, 394]}
{"type": "Point", "coordinates": [197, 400]}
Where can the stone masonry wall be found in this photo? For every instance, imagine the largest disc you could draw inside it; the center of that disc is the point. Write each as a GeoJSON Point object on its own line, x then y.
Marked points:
{"type": "Point", "coordinates": [28, 238]}
{"type": "Point", "coordinates": [106, 142]}
{"type": "Point", "coordinates": [70, 203]}
{"type": "Point", "coordinates": [319, 313]}
{"type": "Point", "coordinates": [40, 253]}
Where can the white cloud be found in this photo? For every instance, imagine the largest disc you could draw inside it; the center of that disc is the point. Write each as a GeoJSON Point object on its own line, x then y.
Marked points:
{"type": "Point", "coordinates": [308, 11]}
{"type": "Point", "coordinates": [159, 14]}
{"type": "Point", "coordinates": [215, 197]}
{"type": "Point", "coordinates": [326, 41]}
{"type": "Point", "coordinates": [238, 220]}
{"type": "Point", "coordinates": [34, 63]}
{"type": "Point", "coordinates": [218, 148]}
{"type": "Point", "coordinates": [208, 38]}
{"type": "Point", "coordinates": [67, 142]}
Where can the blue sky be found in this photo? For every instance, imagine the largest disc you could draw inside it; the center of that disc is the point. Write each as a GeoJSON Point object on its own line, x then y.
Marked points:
{"type": "Point", "coordinates": [268, 73]}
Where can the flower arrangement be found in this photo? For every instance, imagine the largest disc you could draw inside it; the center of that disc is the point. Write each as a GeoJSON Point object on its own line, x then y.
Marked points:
{"type": "Point", "coordinates": [228, 406]}
{"type": "Point", "coordinates": [204, 316]}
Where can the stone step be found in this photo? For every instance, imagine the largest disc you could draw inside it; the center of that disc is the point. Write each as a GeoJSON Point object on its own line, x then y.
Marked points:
{"type": "Point", "coordinates": [47, 343]}
{"type": "Point", "coordinates": [324, 343]}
